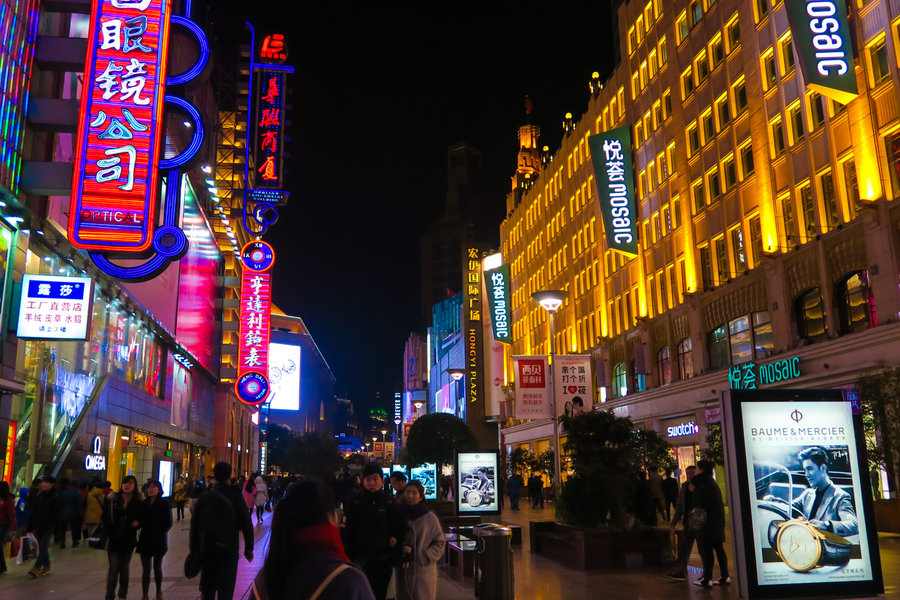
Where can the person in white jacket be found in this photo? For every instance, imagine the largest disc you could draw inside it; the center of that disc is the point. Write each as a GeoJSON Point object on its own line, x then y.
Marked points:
{"type": "Point", "coordinates": [262, 496]}
{"type": "Point", "coordinates": [422, 546]}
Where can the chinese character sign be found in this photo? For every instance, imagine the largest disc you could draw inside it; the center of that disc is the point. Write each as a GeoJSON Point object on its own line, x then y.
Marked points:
{"type": "Point", "coordinates": [497, 284]}
{"type": "Point", "coordinates": [114, 186]}
{"type": "Point", "coordinates": [269, 139]}
{"type": "Point", "coordinates": [532, 388]}
{"type": "Point", "coordinates": [55, 308]}
{"type": "Point", "coordinates": [750, 376]}
{"type": "Point", "coordinates": [611, 155]}
{"type": "Point", "coordinates": [573, 381]}
{"type": "Point", "coordinates": [252, 385]}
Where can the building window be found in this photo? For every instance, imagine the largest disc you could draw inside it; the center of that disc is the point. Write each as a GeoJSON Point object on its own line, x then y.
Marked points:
{"type": "Point", "coordinates": [693, 139]}
{"type": "Point", "coordinates": [706, 268]}
{"type": "Point", "coordinates": [687, 83]}
{"type": "Point", "coordinates": [892, 152]}
{"type": "Point", "coordinates": [664, 366]}
{"type": "Point", "coordinates": [696, 12]}
{"type": "Point", "coordinates": [746, 153]}
{"type": "Point", "coordinates": [722, 270]}
{"type": "Point", "coordinates": [632, 40]}
{"type": "Point", "coordinates": [723, 112]}
{"type": "Point", "coordinates": [763, 342]}
{"type": "Point", "coordinates": [737, 249]}
{"type": "Point", "coordinates": [760, 9]}
{"type": "Point", "coordinates": [795, 118]}
{"type": "Point", "coordinates": [769, 73]}
{"type": "Point", "coordinates": [851, 187]}
{"type": "Point", "coordinates": [653, 63]}
{"type": "Point", "coordinates": [739, 90]}
{"type": "Point", "coordinates": [816, 111]}
{"type": "Point", "coordinates": [657, 114]}
{"type": "Point", "coordinates": [717, 341]}
{"type": "Point", "coordinates": [698, 196]}
{"type": "Point", "coordinates": [714, 184]}
{"type": "Point", "coordinates": [620, 380]}
{"type": "Point", "coordinates": [681, 27]}
{"type": "Point", "coordinates": [829, 200]}
{"type": "Point", "coordinates": [878, 60]}
{"type": "Point", "coordinates": [685, 358]}
{"type": "Point", "coordinates": [855, 303]}
{"type": "Point", "coordinates": [667, 103]}
{"type": "Point", "coordinates": [787, 215]}
{"type": "Point", "coordinates": [716, 52]}
{"type": "Point", "coordinates": [741, 340]}
{"type": "Point", "coordinates": [663, 51]}
{"type": "Point", "coordinates": [730, 172]}
{"type": "Point", "coordinates": [808, 207]}
{"type": "Point", "coordinates": [776, 129]}
{"type": "Point", "coordinates": [787, 54]}
{"type": "Point", "coordinates": [733, 34]}
{"type": "Point", "coordinates": [756, 240]}
{"type": "Point", "coordinates": [701, 65]}
{"type": "Point", "coordinates": [810, 311]}
{"type": "Point", "coordinates": [709, 129]}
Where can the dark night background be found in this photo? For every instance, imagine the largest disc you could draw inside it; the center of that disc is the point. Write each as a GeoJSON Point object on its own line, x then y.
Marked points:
{"type": "Point", "coordinates": [379, 94]}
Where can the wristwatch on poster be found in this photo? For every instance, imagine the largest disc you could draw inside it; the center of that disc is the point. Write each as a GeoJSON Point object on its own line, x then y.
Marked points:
{"type": "Point", "coordinates": [803, 546]}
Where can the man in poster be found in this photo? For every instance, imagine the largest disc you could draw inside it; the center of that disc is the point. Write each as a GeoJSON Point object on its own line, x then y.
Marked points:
{"type": "Point", "coordinates": [824, 505]}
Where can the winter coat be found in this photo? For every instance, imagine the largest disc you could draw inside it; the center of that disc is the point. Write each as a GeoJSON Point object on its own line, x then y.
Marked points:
{"type": "Point", "coordinates": [180, 492]}
{"type": "Point", "coordinates": [201, 523]}
{"type": "Point", "coordinates": [8, 513]}
{"type": "Point", "coordinates": [44, 506]}
{"type": "Point", "coordinates": [426, 538]}
{"type": "Point", "coordinates": [262, 491]}
{"type": "Point", "coordinates": [310, 569]}
{"type": "Point", "coordinates": [119, 521]}
{"type": "Point", "coordinates": [93, 512]}
{"type": "Point", "coordinates": [684, 505]}
{"type": "Point", "coordinates": [366, 529]}
{"type": "Point", "coordinates": [155, 528]}
{"type": "Point", "coordinates": [248, 495]}
{"type": "Point", "coordinates": [708, 496]}
{"type": "Point", "coordinates": [514, 485]}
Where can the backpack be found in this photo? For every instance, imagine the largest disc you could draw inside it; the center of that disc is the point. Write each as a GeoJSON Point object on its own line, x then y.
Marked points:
{"type": "Point", "coordinates": [218, 522]}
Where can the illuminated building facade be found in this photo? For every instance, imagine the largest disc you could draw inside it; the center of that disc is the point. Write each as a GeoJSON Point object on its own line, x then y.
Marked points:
{"type": "Point", "coordinates": [766, 219]}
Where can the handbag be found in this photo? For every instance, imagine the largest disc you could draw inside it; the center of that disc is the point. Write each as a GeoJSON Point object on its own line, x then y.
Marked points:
{"type": "Point", "coordinates": [192, 564]}
{"type": "Point", "coordinates": [29, 547]}
{"type": "Point", "coordinates": [696, 520]}
{"type": "Point", "coordinates": [97, 539]}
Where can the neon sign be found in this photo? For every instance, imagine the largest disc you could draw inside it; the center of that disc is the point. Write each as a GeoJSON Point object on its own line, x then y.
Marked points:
{"type": "Point", "coordinates": [273, 49]}
{"type": "Point", "coordinates": [497, 284]}
{"type": "Point", "coordinates": [270, 128]}
{"type": "Point", "coordinates": [611, 155]}
{"type": "Point", "coordinates": [53, 307]}
{"type": "Point", "coordinates": [252, 385]}
{"type": "Point", "coordinates": [683, 429]}
{"type": "Point", "coordinates": [750, 375]}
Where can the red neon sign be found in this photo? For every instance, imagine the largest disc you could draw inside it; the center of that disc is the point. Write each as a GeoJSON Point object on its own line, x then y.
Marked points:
{"type": "Point", "coordinates": [273, 49]}
{"type": "Point", "coordinates": [269, 128]}
{"type": "Point", "coordinates": [114, 187]}
{"type": "Point", "coordinates": [10, 451]}
{"type": "Point", "coordinates": [252, 385]}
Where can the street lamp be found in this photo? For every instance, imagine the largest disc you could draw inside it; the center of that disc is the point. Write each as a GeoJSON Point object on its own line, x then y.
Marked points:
{"type": "Point", "coordinates": [456, 374]}
{"type": "Point", "coordinates": [551, 300]}
{"type": "Point", "coordinates": [383, 450]}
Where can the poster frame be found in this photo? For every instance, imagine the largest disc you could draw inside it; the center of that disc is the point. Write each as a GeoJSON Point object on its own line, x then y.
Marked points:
{"type": "Point", "coordinates": [457, 472]}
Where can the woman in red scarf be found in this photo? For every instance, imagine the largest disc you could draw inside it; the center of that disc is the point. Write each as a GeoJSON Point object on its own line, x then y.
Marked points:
{"type": "Point", "coordinates": [306, 558]}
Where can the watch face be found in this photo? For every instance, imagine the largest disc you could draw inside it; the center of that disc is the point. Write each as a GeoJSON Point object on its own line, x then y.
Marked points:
{"type": "Point", "coordinates": [798, 547]}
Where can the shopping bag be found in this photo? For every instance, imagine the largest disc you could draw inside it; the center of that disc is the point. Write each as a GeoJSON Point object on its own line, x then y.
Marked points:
{"type": "Point", "coordinates": [97, 538]}
{"type": "Point", "coordinates": [268, 507]}
{"type": "Point", "coordinates": [14, 547]}
{"type": "Point", "coordinates": [29, 547]}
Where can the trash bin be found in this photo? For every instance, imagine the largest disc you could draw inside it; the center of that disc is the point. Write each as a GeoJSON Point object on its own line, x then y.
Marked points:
{"type": "Point", "coordinates": [493, 562]}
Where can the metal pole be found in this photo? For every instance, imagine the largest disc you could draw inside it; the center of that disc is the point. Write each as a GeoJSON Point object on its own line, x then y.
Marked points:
{"type": "Point", "coordinates": [556, 471]}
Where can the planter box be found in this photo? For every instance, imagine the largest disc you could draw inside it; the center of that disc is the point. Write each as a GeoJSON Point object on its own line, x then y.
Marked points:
{"type": "Point", "coordinates": [887, 515]}
{"type": "Point", "coordinates": [591, 549]}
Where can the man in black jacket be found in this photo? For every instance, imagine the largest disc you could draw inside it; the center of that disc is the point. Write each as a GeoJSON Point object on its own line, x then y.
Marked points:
{"type": "Point", "coordinates": [366, 530]}
{"type": "Point", "coordinates": [219, 516]}
{"type": "Point", "coordinates": [42, 522]}
{"type": "Point", "coordinates": [711, 538]}
{"type": "Point", "coordinates": [683, 507]}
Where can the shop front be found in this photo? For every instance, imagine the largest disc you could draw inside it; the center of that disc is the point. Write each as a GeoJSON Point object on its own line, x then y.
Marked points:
{"type": "Point", "coordinates": [683, 435]}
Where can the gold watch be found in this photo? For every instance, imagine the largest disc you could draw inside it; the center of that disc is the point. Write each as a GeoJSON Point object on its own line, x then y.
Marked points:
{"type": "Point", "coordinates": [803, 546]}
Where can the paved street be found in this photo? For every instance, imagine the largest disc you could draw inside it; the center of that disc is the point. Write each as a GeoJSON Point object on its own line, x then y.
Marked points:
{"type": "Point", "coordinates": [80, 574]}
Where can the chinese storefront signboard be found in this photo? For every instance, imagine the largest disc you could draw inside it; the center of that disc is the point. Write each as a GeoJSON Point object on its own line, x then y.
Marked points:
{"type": "Point", "coordinates": [572, 378]}
{"type": "Point", "coordinates": [55, 307]}
{"type": "Point", "coordinates": [269, 138]}
{"type": "Point", "coordinates": [821, 36]}
{"type": "Point", "coordinates": [472, 325]}
{"type": "Point", "coordinates": [532, 388]}
{"type": "Point", "coordinates": [611, 155]}
{"type": "Point", "coordinates": [114, 187]}
{"type": "Point", "coordinates": [252, 385]}
{"type": "Point", "coordinates": [497, 283]}
{"type": "Point", "coordinates": [750, 376]}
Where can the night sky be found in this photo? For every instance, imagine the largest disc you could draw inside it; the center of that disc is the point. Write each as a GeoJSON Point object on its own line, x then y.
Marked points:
{"type": "Point", "coordinates": [380, 93]}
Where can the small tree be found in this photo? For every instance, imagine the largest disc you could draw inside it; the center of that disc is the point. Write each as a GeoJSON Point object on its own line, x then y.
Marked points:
{"type": "Point", "coordinates": [520, 461]}
{"type": "Point", "coordinates": [715, 448]}
{"type": "Point", "coordinates": [436, 438]}
{"type": "Point", "coordinates": [314, 454]}
{"type": "Point", "coordinates": [278, 443]}
{"type": "Point", "coordinates": [543, 463]}
{"type": "Point", "coordinates": [879, 395]}
{"type": "Point", "coordinates": [654, 454]}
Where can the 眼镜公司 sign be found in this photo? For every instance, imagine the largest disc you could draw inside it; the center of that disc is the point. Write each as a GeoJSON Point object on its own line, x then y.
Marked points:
{"type": "Point", "coordinates": [252, 385]}
{"type": "Point", "coordinates": [117, 153]}
{"type": "Point", "coordinates": [611, 156]}
{"type": "Point", "coordinates": [55, 307]}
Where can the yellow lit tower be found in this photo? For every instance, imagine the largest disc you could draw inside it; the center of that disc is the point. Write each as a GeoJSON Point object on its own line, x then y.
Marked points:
{"type": "Point", "coordinates": [528, 162]}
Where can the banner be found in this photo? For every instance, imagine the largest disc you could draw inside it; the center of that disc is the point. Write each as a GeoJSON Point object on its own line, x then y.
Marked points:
{"type": "Point", "coordinates": [805, 511]}
{"type": "Point", "coordinates": [611, 156]}
{"type": "Point", "coordinates": [498, 281]}
{"type": "Point", "coordinates": [572, 378]}
{"type": "Point", "coordinates": [821, 35]}
{"type": "Point", "coordinates": [532, 388]}
{"type": "Point", "coordinates": [477, 479]}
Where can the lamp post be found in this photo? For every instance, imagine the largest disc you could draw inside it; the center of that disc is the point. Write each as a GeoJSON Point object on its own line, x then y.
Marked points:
{"type": "Point", "coordinates": [383, 449]}
{"type": "Point", "coordinates": [456, 374]}
{"type": "Point", "coordinates": [374, 439]}
{"type": "Point", "coordinates": [551, 300]}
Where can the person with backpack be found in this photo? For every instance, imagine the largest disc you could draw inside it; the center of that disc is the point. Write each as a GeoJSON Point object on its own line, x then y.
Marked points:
{"type": "Point", "coordinates": [123, 513]}
{"type": "Point", "coordinates": [153, 544]}
{"type": "Point", "coordinates": [218, 517]}
{"type": "Point", "coordinates": [306, 559]}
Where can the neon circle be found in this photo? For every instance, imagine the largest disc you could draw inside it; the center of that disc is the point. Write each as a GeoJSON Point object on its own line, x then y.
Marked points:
{"type": "Point", "coordinates": [258, 256]}
{"type": "Point", "coordinates": [252, 388]}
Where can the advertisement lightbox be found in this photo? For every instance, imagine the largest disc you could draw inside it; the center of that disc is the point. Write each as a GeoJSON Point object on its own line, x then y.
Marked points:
{"type": "Point", "coordinates": [284, 377]}
{"type": "Point", "coordinates": [803, 522]}
{"type": "Point", "coordinates": [427, 475]}
{"type": "Point", "coordinates": [477, 488]}
{"type": "Point", "coordinates": [55, 307]}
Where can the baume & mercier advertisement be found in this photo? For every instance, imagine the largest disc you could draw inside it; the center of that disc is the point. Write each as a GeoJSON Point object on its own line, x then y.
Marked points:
{"type": "Point", "coordinates": [477, 472]}
{"type": "Point", "coordinates": [803, 481]}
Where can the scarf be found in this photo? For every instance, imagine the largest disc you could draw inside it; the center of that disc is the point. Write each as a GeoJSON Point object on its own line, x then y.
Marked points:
{"type": "Point", "coordinates": [414, 511]}
{"type": "Point", "coordinates": [324, 538]}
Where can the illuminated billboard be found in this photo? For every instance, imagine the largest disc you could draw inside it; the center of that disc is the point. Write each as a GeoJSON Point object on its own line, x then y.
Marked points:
{"type": "Point", "coordinates": [611, 156]}
{"type": "Point", "coordinates": [284, 377]}
{"type": "Point", "coordinates": [477, 481]}
{"type": "Point", "coordinates": [252, 385]}
{"type": "Point", "coordinates": [117, 153]}
{"type": "Point", "coordinates": [55, 307]}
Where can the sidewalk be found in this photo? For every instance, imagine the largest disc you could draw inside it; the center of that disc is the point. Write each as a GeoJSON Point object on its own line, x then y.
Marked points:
{"type": "Point", "coordinates": [80, 573]}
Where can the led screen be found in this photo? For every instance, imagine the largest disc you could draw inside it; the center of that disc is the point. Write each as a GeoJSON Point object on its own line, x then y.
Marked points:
{"type": "Point", "coordinates": [284, 377]}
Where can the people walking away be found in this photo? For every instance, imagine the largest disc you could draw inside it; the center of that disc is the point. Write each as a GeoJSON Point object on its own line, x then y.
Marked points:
{"type": "Point", "coordinates": [248, 493]}
{"type": "Point", "coordinates": [422, 545]}
{"type": "Point", "coordinates": [514, 486]}
{"type": "Point", "coordinates": [70, 507]}
{"type": "Point", "coordinates": [217, 519]}
{"type": "Point", "coordinates": [670, 494]}
{"type": "Point", "coordinates": [122, 515]}
{"type": "Point", "coordinates": [643, 505]}
{"type": "Point", "coordinates": [93, 510]}
{"type": "Point", "coordinates": [23, 514]}
{"type": "Point", "coordinates": [153, 543]}
{"type": "Point", "coordinates": [656, 492]}
{"type": "Point", "coordinates": [261, 496]}
{"type": "Point", "coordinates": [711, 537]}
{"type": "Point", "coordinates": [179, 495]}
{"type": "Point", "coordinates": [306, 557]}
{"type": "Point", "coordinates": [7, 520]}
{"type": "Point", "coordinates": [195, 490]}
{"type": "Point", "coordinates": [683, 507]}
{"type": "Point", "coordinates": [366, 530]}
{"type": "Point", "coordinates": [42, 522]}
{"type": "Point", "coordinates": [536, 490]}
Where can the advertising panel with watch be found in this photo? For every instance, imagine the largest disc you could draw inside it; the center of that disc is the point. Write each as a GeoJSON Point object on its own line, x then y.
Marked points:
{"type": "Point", "coordinates": [805, 510]}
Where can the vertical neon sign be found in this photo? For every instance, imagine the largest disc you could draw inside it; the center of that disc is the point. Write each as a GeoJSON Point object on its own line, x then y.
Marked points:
{"type": "Point", "coordinates": [114, 187]}
{"type": "Point", "coordinates": [252, 385]}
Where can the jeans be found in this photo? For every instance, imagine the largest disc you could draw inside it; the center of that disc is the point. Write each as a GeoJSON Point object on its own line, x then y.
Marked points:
{"type": "Point", "coordinates": [179, 509]}
{"type": "Point", "coordinates": [218, 574]}
{"type": "Point", "coordinates": [43, 557]}
{"type": "Point", "coordinates": [708, 545]}
{"type": "Point", "coordinates": [4, 530]}
{"type": "Point", "coordinates": [119, 564]}
{"type": "Point", "coordinates": [685, 545]}
{"type": "Point", "coordinates": [146, 560]}
{"type": "Point", "coordinates": [514, 501]}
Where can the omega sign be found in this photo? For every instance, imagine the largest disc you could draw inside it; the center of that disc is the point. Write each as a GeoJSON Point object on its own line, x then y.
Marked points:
{"type": "Point", "coordinates": [683, 429]}
{"type": "Point", "coordinates": [95, 461]}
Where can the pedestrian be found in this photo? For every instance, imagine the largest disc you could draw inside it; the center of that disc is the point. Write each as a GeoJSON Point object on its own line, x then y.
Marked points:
{"type": "Point", "coordinates": [306, 557]}
{"type": "Point", "coordinates": [683, 507]}
{"type": "Point", "coordinates": [398, 484]}
{"type": "Point", "coordinates": [7, 521]}
{"type": "Point", "coordinates": [217, 519]}
{"type": "Point", "coordinates": [70, 510]}
{"type": "Point", "coordinates": [656, 492]}
{"type": "Point", "coordinates": [514, 486]}
{"type": "Point", "coordinates": [366, 530]}
{"type": "Point", "coordinates": [122, 516]}
{"type": "Point", "coordinates": [711, 538]}
{"type": "Point", "coordinates": [194, 491]}
{"type": "Point", "coordinates": [670, 494]}
{"type": "Point", "coordinates": [248, 493]}
{"type": "Point", "coordinates": [23, 514]}
{"type": "Point", "coordinates": [44, 507]}
{"type": "Point", "coordinates": [179, 495]}
{"type": "Point", "coordinates": [83, 490]}
{"type": "Point", "coordinates": [422, 545]}
{"type": "Point", "coordinates": [643, 505]}
{"type": "Point", "coordinates": [153, 544]}
{"type": "Point", "coordinates": [536, 490]}
{"type": "Point", "coordinates": [93, 511]}
{"type": "Point", "coordinates": [261, 497]}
